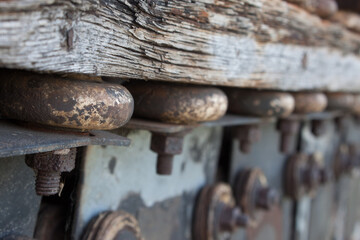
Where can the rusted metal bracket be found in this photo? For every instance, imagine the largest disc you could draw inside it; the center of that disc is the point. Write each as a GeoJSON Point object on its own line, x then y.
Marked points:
{"type": "Point", "coordinates": [16, 139]}
{"type": "Point", "coordinates": [167, 138]}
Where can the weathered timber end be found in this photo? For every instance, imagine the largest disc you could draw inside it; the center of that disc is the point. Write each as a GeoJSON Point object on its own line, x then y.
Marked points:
{"type": "Point", "coordinates": [247, 43]}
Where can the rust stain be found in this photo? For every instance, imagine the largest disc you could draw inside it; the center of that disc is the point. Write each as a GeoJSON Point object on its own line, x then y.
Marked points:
{"type": "Point", "coordinates": [54, 101]}
{"type": "Point", "coordinates": [178, 103]}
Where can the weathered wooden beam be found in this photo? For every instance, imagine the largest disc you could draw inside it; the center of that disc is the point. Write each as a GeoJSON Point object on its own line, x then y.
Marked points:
{"type": "Point", "coordinates": [245, 43]}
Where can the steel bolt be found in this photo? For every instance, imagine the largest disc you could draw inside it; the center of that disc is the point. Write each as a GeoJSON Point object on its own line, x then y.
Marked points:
{"type": "Point", "coordinates": [166, 146]}
{"type": "Point", "coordinates": [318, 127]}
{"type": "Point", "coordinates": [267, 198]}
{"type": "Point", "coordinates": [232, 218]}
{"type": "Point", "coordinates": [247, 135]}
{"type": "Point", "coordinates": [48, 167]}
{"type": "Point", "coordinates": [288, 128]}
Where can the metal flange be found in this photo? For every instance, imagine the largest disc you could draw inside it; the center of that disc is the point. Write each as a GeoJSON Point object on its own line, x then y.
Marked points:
{"type": "Point", "coordinates": [215, 214]}
{"type": "Point", "coordinates": [253, 194]}
{"type": "Point", "coordinates": [303, 174]}
{"type": "Point", "coordinates": [112, 226]}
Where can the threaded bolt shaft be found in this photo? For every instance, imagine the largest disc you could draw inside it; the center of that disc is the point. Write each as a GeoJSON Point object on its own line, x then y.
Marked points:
{"type": "Point", "coordinates": [164, 164]}
{"type": "Point", "coordinates": [47, 183]}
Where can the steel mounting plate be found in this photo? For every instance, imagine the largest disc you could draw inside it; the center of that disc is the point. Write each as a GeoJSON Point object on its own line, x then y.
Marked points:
{"type": "Point", "coordinates": [17, 139]}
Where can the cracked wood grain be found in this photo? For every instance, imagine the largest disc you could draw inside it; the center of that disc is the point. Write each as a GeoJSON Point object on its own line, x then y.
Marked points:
{"type": "Point", "coordinates": [248, 43]}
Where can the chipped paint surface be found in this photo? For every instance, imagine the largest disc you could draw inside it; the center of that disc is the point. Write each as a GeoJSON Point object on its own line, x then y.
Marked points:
{"type": "Point", "coordinates": [106, 184]}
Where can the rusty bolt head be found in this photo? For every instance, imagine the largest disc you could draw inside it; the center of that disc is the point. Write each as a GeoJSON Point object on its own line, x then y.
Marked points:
{"type": "Point", "coordinates": [247, 135]}
{"type": "Point", "coordinates": [166, 144]}
{"type": "Point", "coordinates": [318, 127]}
{"type": "Point", "coordinates": [267, 198]}
{"type": "Point", "coordinates": [288, 128]}
{"type": "Point", "coordinates": [54, 161]}
{"type": "Point", "coordinates": [232, 218]}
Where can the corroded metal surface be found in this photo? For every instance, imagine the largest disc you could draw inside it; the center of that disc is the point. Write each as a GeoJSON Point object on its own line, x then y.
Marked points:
{"type": "Point", "coordinates": [288, 129]}
{"type": "Point", "coordinates": [340, 101]}
{"type": "Point", "coordinates": [247, 135]}
{"type": "Point", "coordinates": [177, 103]}
{"type": "Point", "coordinates": [19, 140]}
{"type": "Point", "coordinates": [164, 203]}
{"type": "Point", "coordinates": [166, 146]}
{"type": "Point", "coordinates": [48, 167]}
{"type": "Point", "coordinates": [260, 103]}
{"type": "Point", "coordinates": [253, 194]}
{"type": "Point", "coordinates": [112, 226]}
{"type": "Point", "coordinates": [306, 102]}
{"type": "Point", "coordinates": [293, 176]}
{"type": "Point", "coordinates": [215, 215]}
{"type": "Point", "coordinates": [304, 174]}
{"type": "Point", "coordinates": [61, 102]}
